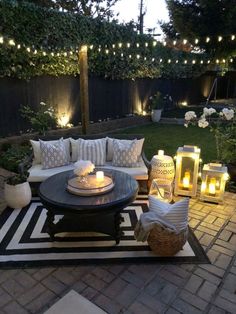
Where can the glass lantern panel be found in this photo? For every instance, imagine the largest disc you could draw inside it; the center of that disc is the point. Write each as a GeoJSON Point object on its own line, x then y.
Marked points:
{"type": "Point", "coordinates": [161, 189]}
{"type": "Point", "coordinates": [187, 172]}
{"type": "Point", "coordinates": [213, 184]}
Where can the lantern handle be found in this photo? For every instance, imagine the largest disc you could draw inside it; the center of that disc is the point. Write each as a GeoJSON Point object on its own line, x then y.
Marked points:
{"type": "Point", "coordinates": [156, 185]}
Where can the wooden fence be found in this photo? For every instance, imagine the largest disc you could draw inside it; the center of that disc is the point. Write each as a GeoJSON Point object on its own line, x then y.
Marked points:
{"type": "Point", "coordinates": [107, 99]}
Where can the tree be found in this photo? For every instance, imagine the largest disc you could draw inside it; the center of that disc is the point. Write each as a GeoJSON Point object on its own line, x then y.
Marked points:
{"type": "Point", "coordinates": [93, 8]}
{"type": "Point", "coordinates": [193, 19]}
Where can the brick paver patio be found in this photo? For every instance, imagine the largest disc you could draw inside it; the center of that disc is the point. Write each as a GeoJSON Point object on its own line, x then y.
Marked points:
{"type": "Point", "coordinates": [140, 288]}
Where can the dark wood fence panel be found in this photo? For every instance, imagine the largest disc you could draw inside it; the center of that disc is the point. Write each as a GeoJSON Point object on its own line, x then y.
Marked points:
{"type": "Point", "coordinates": [107, 99]}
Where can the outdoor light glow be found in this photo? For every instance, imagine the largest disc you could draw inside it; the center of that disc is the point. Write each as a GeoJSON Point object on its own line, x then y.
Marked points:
{"type": "Point", "coordinates": [137, 45]}
{"type": "Point", "coordinates": [28, 49]}
{"type": "Point", "coordinates": [174, 42]}
{"type": "Point", "coordinates": [138, 56]}
{"type": "Point", "coordinates": [1, 40]}
{"type": "Point", "coordinates": [160, 152]}
{"type": "Point", "coordinates": [18, 46]}
{"type": "Point", "coordinates": [11, 42]}
{"type": "Point", "coordinates": [185, 41]}
{"type": "Point", "coordinates": [194, 61]}
{"type": "Point", "coordinates": [196, 41]}
{"type": "Point", "coordinates": [63, 119]}
{"type": "Point", "coordinates": [91, 47]}
{"type": "Point", "coordinates": [177, 61]}
{"type": "Point", "coordinates": [184, 103]}
{"type": "Point", "coordinates": [220, 38]}
{"type": "Point", "coordinates": [128, 45]}
{"type": "Point", "coordinates": [169, 61]}
{"type": "Point", "coordinates": [154, 44]}
{"type": "Point", "coordinates": [185, 61]}
{"type": "Point", "coordinates": [120, 45]}
{"type": "Point", "coordinates": [207, 39]}
{"type": "Point", "coordinates": [186, 179]}
{"type": "Point", "coordinates": [233, 37]}
{"type": "Point", "coordinates": [146, 44]}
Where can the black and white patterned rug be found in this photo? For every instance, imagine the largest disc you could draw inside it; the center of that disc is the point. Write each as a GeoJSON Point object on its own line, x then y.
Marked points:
{"type": "Point", "coordinates": [25, 243]}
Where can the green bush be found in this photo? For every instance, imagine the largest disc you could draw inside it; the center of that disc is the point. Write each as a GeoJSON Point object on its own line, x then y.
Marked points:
{"type": "Point", "coordinates": [12, 156]}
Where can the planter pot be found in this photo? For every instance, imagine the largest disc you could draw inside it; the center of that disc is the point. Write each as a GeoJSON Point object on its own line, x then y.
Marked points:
{"type": "Point", "coordinates": [156, 115]}
{"type": "Point", "coordinates": [17, 196]}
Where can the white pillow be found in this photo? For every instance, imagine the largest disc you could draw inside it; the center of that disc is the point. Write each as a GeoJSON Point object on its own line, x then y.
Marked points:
{"type": "Point", "coordinates": [53, 154]}
{"type": "Point", "coordinates": [175, 214]}
{"type": "Point", "coordinates": [37, 150]}
{"type": "Point", "coordinates": [110, 147]}
{"type": "Point", "coordinates": [125, 154]}
{"type": "Point", "coordinates": [93, 150]}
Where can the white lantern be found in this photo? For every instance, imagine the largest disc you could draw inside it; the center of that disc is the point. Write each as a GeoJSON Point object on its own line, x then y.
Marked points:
{"type": "Point", "coordinates": [162, 167]}
{"type": "Point", "coordinates": [214, 177]}
{"type": "Point", "coordinates": [162, 190]}
{"type": "Point", "coordinates": [187, 164]}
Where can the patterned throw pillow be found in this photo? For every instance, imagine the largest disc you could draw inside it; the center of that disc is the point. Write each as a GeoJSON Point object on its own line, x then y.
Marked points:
{"type": "Point", "coordinates": [125, 154]}
{"type": "Point", "coordinates": [54, 154]}
{"type": "Point", "coordinates": [110, 149]}
{"type": "Point", "coordinates": [175, 214]}
{"type": "Point", "coordinates": [93, 150]}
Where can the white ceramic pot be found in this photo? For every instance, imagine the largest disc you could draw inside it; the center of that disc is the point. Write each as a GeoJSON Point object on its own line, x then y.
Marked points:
{"type": "Point", "coordinates": [156, 115]}
{"type": "Point", "coordinates": [17, 196]}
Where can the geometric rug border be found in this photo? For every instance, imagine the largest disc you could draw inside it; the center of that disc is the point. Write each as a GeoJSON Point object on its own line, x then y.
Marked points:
{"type": "Point", "coordinates": [199, 258]}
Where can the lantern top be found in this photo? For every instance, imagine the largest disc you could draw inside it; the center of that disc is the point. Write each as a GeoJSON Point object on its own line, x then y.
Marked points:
{"type": "Point", "coordinates": [215, 168]}
{"type": "Point", "coordinates": [189, 149]}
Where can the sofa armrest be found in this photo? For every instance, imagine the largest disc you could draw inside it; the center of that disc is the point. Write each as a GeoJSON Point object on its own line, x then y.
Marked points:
{"type": "Point", "coordinates": [26, 163]}
{"type": "Point", "coordinates": [146, 161]}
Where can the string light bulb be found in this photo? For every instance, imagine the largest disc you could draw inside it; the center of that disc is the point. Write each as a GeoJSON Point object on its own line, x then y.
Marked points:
{"type": "Point", "coordinates": [146, 44]}
{"type": "Point", "coordinates": [113, 46]}
{"type": "Point", "coordinates": [120, 45]}
{"type": "Point", "coordinates": [176, 61]}
{"type": "Point", "coordinates": [154, 43]}
{"type": "Point", "coordinates": [138, 56]}
{"type": "Point", "coordinates": [185, 61]}
{"type": "Point", "coordinates": [18, 46]}
{"type": "Point", "coordinates": [28, 49]}
{"type": "Point", "coordinates": [169, 60]}
{"type": "Point", "coordinates": [207, 39]}
{"type": "Point", "coordinates": [185, 41]}
{"type": "Point", "coordinates": [201, 61]}
{"type": "Point", "coordinates": [231, 60]}
{"type": "Point", "coordinates": [1, 40]}
{"type": "Point", "coordinates": [137, 45]}
{"type": "Point", "coordinates": [91, 47]}
{"type": "Point", "coordinates": [160, 60]}
{"type": "Point", "coordinates": [107, 51]}
{"type": "Point", "coordinates": [232, 37]}
{"type": "Point", "coordinates": [174, 42]}
{"type": "Point", "coordinates": [194, 62]}
{"type": "Point", "coordinates": [196, 41]}
{"type": "Point", "coordinates": [128, 45]}
{"type": "Point", "coordinates": [11, 42]}
{"type": "Point", "coordinates": [220, 38]}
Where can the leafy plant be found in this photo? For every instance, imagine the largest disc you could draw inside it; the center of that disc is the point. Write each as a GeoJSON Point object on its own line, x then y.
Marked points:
{"type": "Point", "coordinates": [12, 156]}
{"type": "Point", "coordinates": [41, 120]}
{"type": "Point", "coordinates": [157, 101]}
{"type": "Point", "coordinates": [17, 179]}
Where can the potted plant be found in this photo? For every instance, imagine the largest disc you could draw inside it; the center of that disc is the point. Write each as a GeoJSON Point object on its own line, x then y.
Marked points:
{"type": "Point", "coordinates": [157, 102]}
{"type": "Point", "coordinates": [17, 191]}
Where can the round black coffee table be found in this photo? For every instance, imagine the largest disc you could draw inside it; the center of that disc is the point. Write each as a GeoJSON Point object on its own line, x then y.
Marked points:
{"type": "Point", "coordinates": [99, 213]}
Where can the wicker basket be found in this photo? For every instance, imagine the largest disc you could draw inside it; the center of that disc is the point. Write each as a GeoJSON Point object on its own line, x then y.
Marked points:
{"type": "Point", "coordinates": [165, 242]}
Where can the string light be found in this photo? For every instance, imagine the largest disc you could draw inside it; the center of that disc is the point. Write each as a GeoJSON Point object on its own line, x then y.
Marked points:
{"type": "Point", "coordinates": [176, 61]}
{"type": "Point", "coordinates": [1, 40]}
{"type": "Point", "coordinates": [174, 42]}
{"type": "Point", "coordinates": [91, 47]}
{"type": "Point", "coordinates": [113, 46]}
{"type": "Point", "coordinates": [217, 61]}
{"type": "Point", "coordinates": [128, 45]}
{"type": "Point", "coordinates": [137, 45]}
{"type": "Point", "coordinates": [232, 37]}
{"type": "Point", "coordinates": [18, 46]}
{"type": "Point", "coordinates": [169, 61]}
{"type": "Point", "coordinates": [196, 41]}
{"type": "Point", "coordinates": [207, 39]}
{"type": "Point", "coordinates": [11, 42]}
{"type": "Point", "coordinates": [28, 49]}
{"type": "Point", "coordinates": [194, 62]}
{"type": "Point", "coordinates": [120, 45]}
{"type": "Point", "coordinates": [185, 41]}
{"type": "Point", "coordinates": [220, 38]}
{"type": "Point", "coordinates": [146, 44]}
{"type": "Point", "coordinates": [185, 61]}
{"type": "Point", "coordinates": [154, 43]}
{"type": "Point", "coordinates": [138, 56]}
{"type": "Point", "coordinates": [107, 51]}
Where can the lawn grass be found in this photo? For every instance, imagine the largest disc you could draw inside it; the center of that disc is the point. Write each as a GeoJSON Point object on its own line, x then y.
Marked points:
{"type": "Point", "coordinates": [170, 136]}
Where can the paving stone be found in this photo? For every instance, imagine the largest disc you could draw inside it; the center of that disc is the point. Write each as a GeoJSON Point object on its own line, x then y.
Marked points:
{"type": "Point", "coordinates": [25, 279]}
{"type": "Point", "coordinates": [214, 270]}
{"type": "Point", "coordinates": [213, 255]}
{"type": "Point", "coordinates": [222, 250]}
{"type": "Point", "coordinates": [207, 290]}
{"type": "Point", "coordinates": [139, 308]}
{"type": "Point", "coordinates": [133, 279]}
{"type": "Point", "coordinates": [176, 280]}
{"type": "Point", "coordinates": [177, 270]}
{"type": "Point", "coordinates": [223, 261]}
{"type": "Point", "coordinates": [108, 305]}
{"type": "Point", "coordinates": [40, 302]}
{"type": "Point", "coordinates": [54, 285]}
{"type": "Point", "coordinates": [31, 294]}
{"type": "Point", "coordinates": [233, 270]}
{"type": "Point", "coordinates": [14, 308]}
{"type": "Point", "coordinates": [231, 227]}
{"type": "Point", "coordinates": [193, 300]}
{"type": "Point", "coordinates": [94, 282]}
{"type": "Point", "coordinates": [127, 295]}
{"type": "Point", "coordinates": [225, 304]}
{"type": "Point", "coordinates": [145, 271]}
{"type": "Point", "coordinates": [155, 286]}
{"type": "Point", "coordinates": [151, 302]}
{"type": "Point", "coordinates": [113, 289]}
{"type": "Point", "coordinates": [7, 274]}
{"type": "Point", "coordinates": [216, 310]}
{"type": "Point", "coordinates": [79, 286]}
{"type": "Point", "coordinates": [210, 226]}
{"type": "Point", "coordinates": [64, 276]}
{"type": "Point", "coordinates": [219, 222]}
{"type": "Point", "coordinates": [193, 222]}
{"type": "Point", "coordinates": [209, 277]}
{"type": "Point", "coordinates": [116, 269]}
{"type": "Point", "coordinates": [89, 293]}
{"type": "Point", "coordinates": [13, 287]}
{"type": "Point", "coordinates": [230, 283]}
{"type": "Point", "coordinates": [103, 274]}
{"type": "Point", "coordinates": [228, 295]}
{"type": "Point", "coordinates": [167, 293]}
{"type": "Point", "coordinates": [207, 230]}
{"type": "Point", "coordinates": [5, 298]}
{"type": "Point", "coordinates": [206, 239]}
{"type": "Point", "coordinates": [233, 240]}
{"type": "Point", "coordinates": [171, 311]}
{"type": "Point", "coordinates": [42, 273]}
{"type": "Point", "coordinates": [210, 219]}
{"type": "Point", "coordinates": [225, 235]}
{"type": "Point", "coordinates": [184, 307]}
{"type": "Point", "coordinates": [225, 244]}
{"type": "Point", "coordinates": [193, 283]}
{"type": "Point", "coordinates": [198, 234]}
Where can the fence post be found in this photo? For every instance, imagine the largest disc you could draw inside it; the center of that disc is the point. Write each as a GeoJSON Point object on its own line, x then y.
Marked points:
{"type": "Point", "coordinates": [84, 98]}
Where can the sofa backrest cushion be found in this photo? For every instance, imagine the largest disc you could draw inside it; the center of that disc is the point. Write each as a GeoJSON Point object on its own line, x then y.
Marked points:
{"type": "Point", "coordinates": [37, 150]}
{"type": "Point", "coordinates": [54, 154]}
{"type": "Point", "coordinates": [110, 147]}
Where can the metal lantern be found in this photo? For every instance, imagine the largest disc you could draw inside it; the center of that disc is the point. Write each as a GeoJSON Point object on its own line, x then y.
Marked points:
{"type": "Point", "coordinates": [161, 189]}
{"type": "Point", "coordinates": [162, 167]}
{"type": "Point", "coordinates": [214, 177]}
{"type": "Point", "coordinates": [187, 164]}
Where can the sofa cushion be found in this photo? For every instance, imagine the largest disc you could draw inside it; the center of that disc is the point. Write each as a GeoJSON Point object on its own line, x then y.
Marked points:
{"type": "Point", "coordinates": [54, 154]}
{"type": "Point", "coordinates": [92, 146]}
{"type": "Point", "coordinates": [125, 154]}
{"type": "Point", "coordinates": [37, 151]}
{"type": "Point", "coordinates": [37, 174]}
{"type": "Point", "coordinates": [110, 147]}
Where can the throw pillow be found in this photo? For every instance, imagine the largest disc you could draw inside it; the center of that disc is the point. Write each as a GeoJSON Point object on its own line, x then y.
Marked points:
{"type": "Point", "coordinates": [93, 150]}
{"type": "Point", "coordinates": [53, 154]}
{"type": "Point", "coordinates": [110, 148]}
{"type": "Point", "coordinates": [175, 214]}
{"type": "Point", "coordinates": [125, 155]}
{"type": "Point", "coordinates": [37, 150]}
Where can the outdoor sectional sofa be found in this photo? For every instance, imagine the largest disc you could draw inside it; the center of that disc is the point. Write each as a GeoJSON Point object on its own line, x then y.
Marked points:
{"type": "Point", "coordinates": [37, 174]}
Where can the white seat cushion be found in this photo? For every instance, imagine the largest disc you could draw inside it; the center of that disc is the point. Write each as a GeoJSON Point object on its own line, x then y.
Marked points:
{"type": "Point", "coordinates": [37, 174]}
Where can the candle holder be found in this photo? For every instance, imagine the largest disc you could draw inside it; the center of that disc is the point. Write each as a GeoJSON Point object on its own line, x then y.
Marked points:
{"type": "Point", "coordinates": [162, 190]}
{"type": "Point", "coordinates": [187, 165]}
{"type": "Point", "coordinates": [214, 177]}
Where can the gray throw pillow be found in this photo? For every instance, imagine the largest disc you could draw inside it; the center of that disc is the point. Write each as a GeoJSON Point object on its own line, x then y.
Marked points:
{"type": "Point", "coordinates": [54, 154]}
{"type": "Point", "coordinates": [125, 154]}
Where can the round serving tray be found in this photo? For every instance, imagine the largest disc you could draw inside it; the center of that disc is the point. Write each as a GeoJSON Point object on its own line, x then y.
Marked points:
{"type": "Point", "coordinates": [91, 187]}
